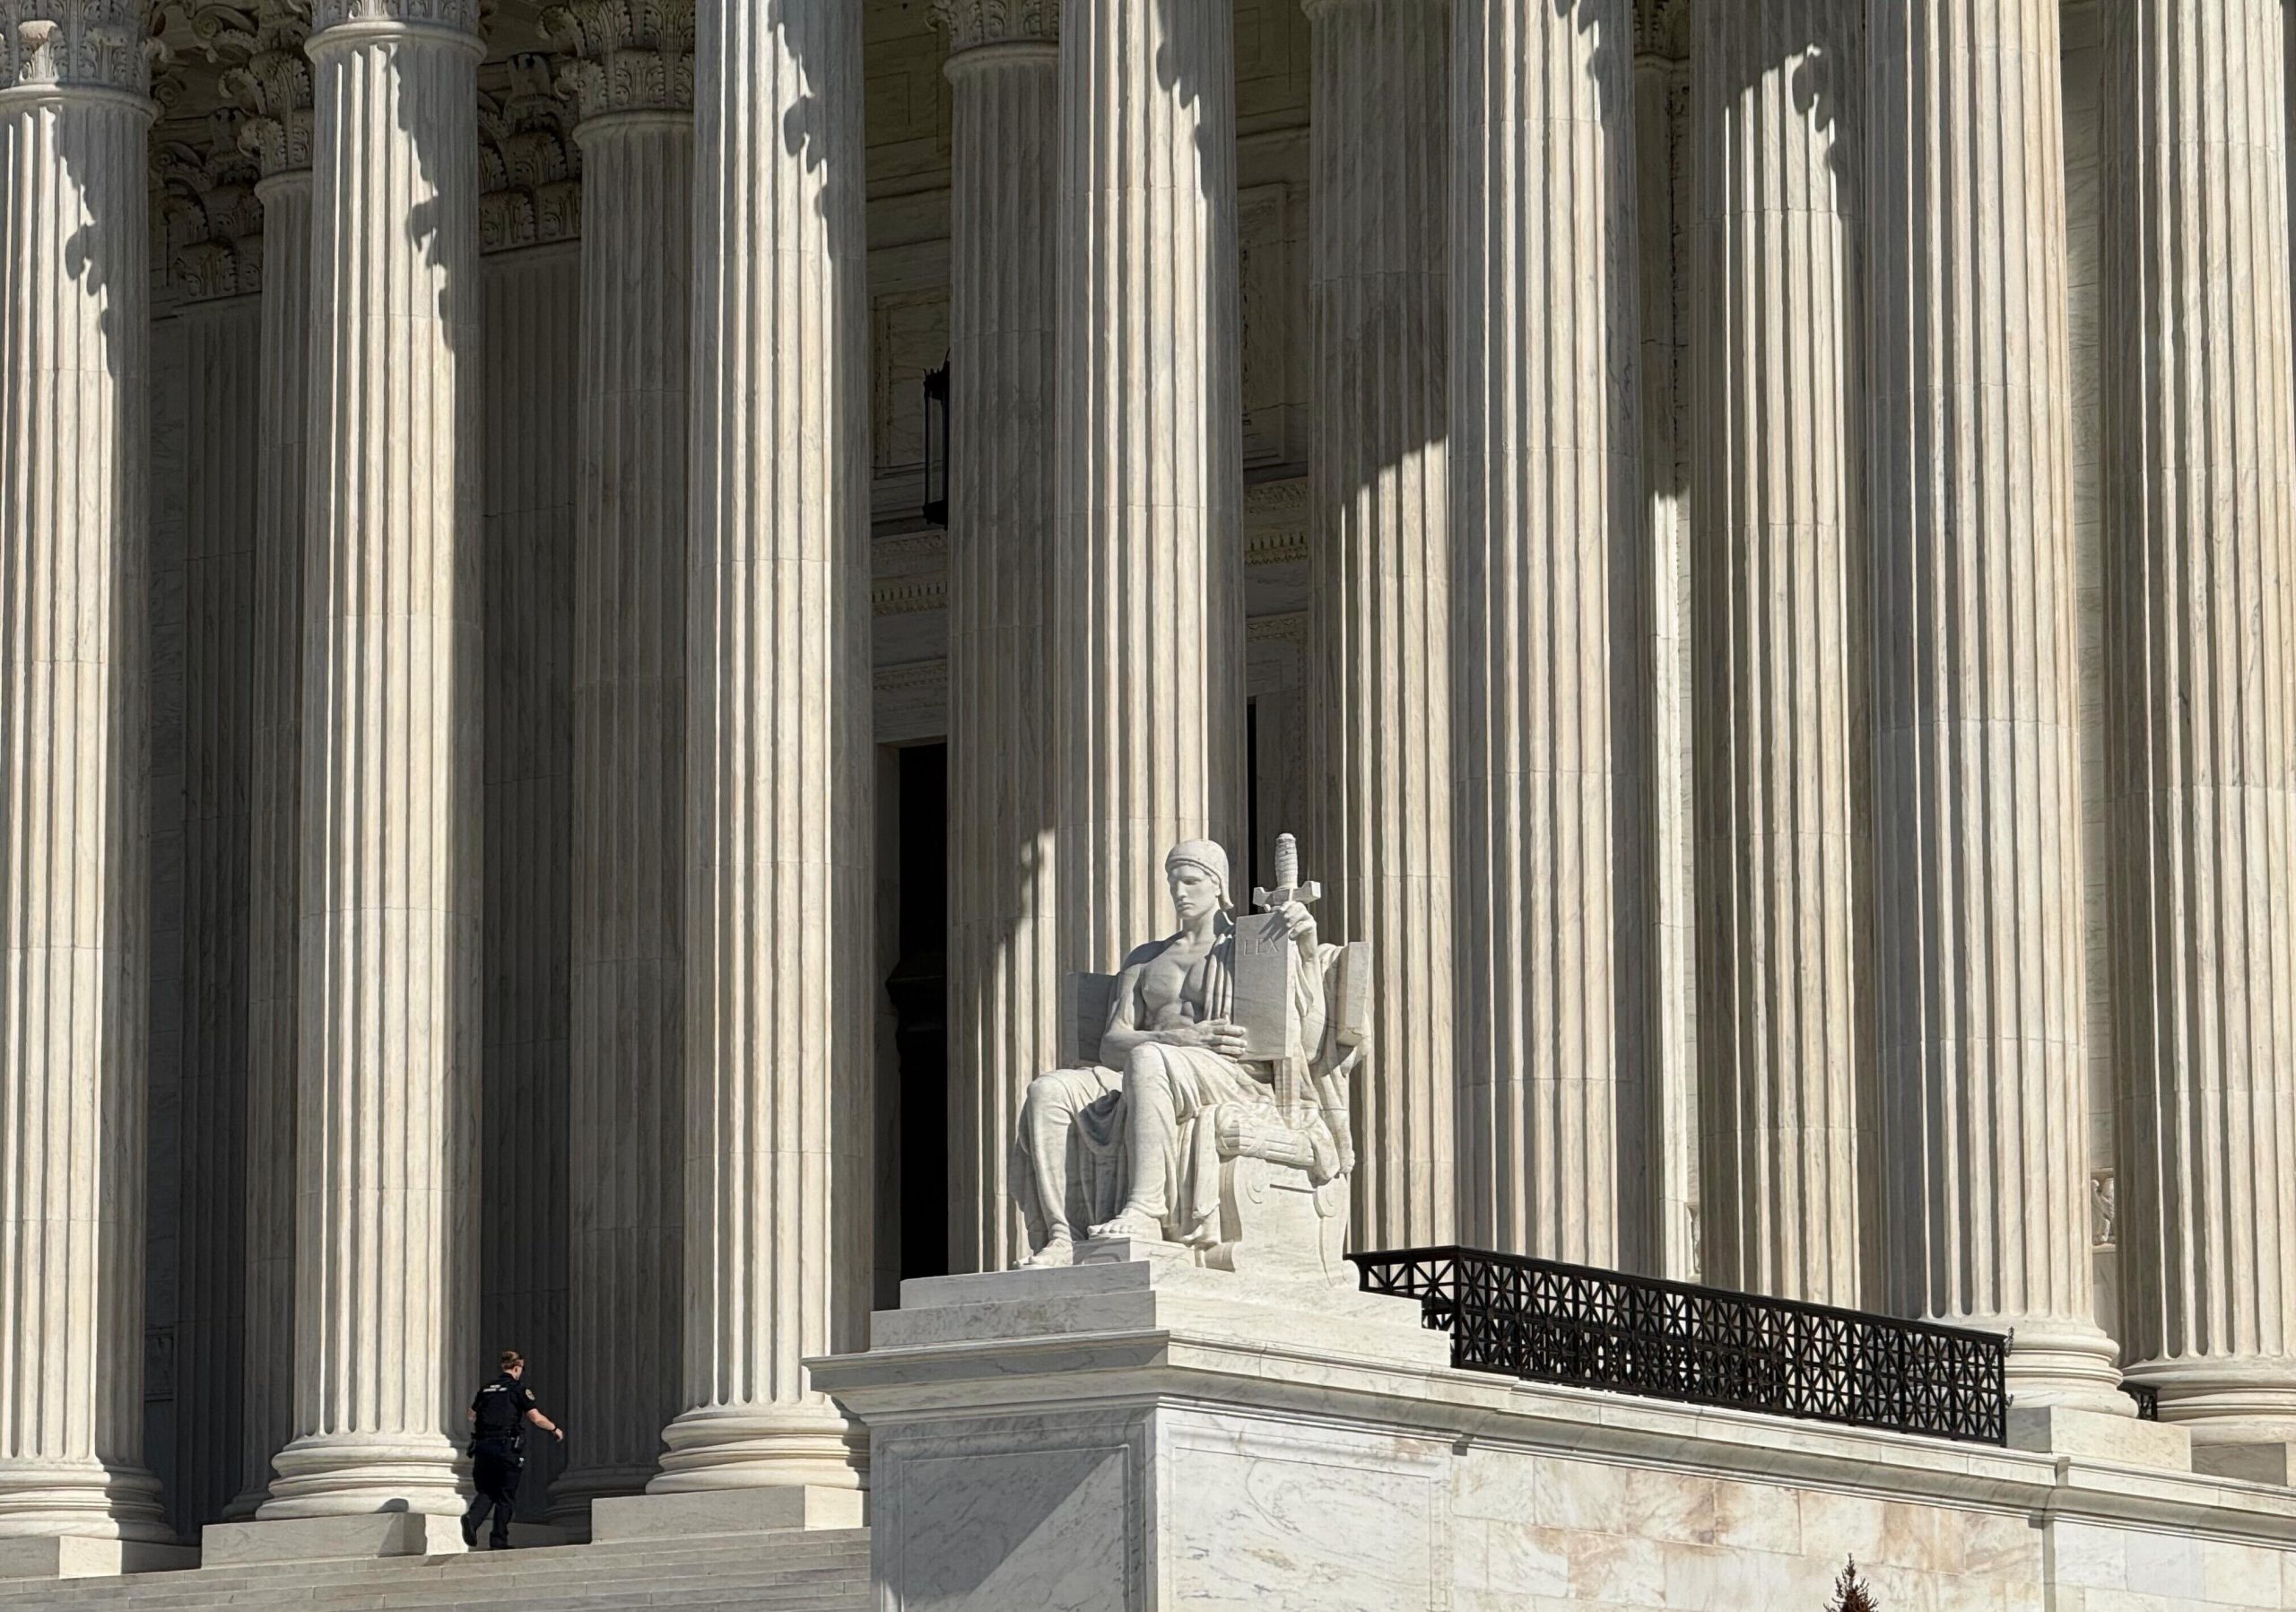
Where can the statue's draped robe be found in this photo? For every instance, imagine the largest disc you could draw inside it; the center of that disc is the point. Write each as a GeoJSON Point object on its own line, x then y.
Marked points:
{"type": "Point", "coordinates": [1085, 1109]}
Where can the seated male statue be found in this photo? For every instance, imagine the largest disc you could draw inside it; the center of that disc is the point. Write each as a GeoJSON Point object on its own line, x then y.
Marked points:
{"type": "Point", "coordinates": [1139, 1142]}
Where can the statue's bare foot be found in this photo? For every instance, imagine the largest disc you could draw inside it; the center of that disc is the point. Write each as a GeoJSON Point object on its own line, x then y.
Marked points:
{"type": "Point", "coordinates": [1059, 1250]}
{"type": "Point", "coordinates": [1132, 1226]}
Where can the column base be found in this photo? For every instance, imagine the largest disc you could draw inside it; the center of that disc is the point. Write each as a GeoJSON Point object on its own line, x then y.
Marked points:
{"type": "Point", "coordinates": [85, 1500]}
{"type": "Point", "coordinates": [721, 1447]}
{"type": "Point", "coordinates": [2064, 1430]}
{"type": "Point", "coordinates": [360, 1475]}
{"type": "Point", "coordinates": [329, 1538]}
{"type": "Point", "coordinates": [2056, 1362]}
{"type": "Point", "coordinates": [75, 1556]}
{"type": "Point", "coordinates": [620, 1521]}
{"type": "Point", "coordinates": [2245, 1401]}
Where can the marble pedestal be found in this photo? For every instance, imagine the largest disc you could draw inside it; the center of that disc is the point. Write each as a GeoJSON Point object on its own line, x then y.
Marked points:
{"type": "Point", "coordinates": [1143, 1434]}
{"type": "Point", "coordinates": [352, 1538]}
{"type": "Point", "coordinates": [75, 1556]}
{"type": "Point", "coordinates": [1137, 1433]}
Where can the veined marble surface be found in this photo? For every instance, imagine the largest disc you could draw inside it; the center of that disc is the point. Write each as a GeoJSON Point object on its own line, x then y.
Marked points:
{"type": "Point", "coordinates": [1144, 1434]}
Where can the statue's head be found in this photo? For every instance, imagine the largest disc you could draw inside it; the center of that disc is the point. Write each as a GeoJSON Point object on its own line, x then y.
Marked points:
{"type": "Point", "coordinates": [1196, 870]}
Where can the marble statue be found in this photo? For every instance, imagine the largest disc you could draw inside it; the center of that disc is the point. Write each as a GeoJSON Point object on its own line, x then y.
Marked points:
{"type": "Point", "coordinates": [1206, 1108]}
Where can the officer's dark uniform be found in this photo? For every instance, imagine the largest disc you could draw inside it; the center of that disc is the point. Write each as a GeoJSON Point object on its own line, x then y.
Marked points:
{"type": "Point", "coordinates": [500, 1407]}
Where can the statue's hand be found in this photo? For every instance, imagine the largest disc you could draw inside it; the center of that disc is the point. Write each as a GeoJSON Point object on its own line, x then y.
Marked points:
{"type": "Point", "coordinates": [1299, 924]}
{"type": "Point", "coordinates": [1214, 1035]}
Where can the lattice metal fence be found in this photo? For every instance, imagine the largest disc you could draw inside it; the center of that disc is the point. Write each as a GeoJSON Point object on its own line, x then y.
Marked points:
{"type": "Point", "coordinates": [1550, 1322]}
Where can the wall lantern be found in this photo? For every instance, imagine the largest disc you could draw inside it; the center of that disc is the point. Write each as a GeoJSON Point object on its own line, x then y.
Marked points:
{"type": "Point", "coordinates": [936, 445]}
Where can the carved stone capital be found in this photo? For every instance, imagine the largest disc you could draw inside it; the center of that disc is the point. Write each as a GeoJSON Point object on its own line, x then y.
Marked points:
{"type": "Point", "coordinates": [973, 22]}
{"type": "Point", "coordinates": [268, 77]}
{"type": "Point", "coordinates": [459, 15]}
{"type": "Point", "coordinates": [530, 171]}
{"type": "Point", "coordinates": [627, 56]}
{"type": "Point", "coordinates": [210, 225]}
{"type": "Point", "coordinates": [78, 45]}
{"type": "Point", "coordinates": [1662, 29]}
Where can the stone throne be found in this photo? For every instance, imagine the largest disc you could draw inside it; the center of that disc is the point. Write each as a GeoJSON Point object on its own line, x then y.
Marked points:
{"type": "Point", "coordinates": [1287, 1155]}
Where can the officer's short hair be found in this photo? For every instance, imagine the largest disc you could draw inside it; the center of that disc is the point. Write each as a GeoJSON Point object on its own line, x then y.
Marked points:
{"type": "Point", "coordinates": [511, 1357]}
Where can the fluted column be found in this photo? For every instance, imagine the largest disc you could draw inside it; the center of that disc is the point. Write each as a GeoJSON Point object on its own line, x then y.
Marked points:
{"type": "Point", "coordinates": [1981, 964]}
{"type": "Point", "coordinates": [634, 78]}
{"type": "Point", "coordinates": [1780, 747]}
{"type": "Point", "coordinates": [75, 335]}
{"type": "Point", "coordinates": [1149, 566]}
{"type": "Point", "coordinates": [1546, 570]}
{"type": "Point", "coordinates": [1379, 576]}
{"type": "Point", "coordinates": [2200, 647]}
{"type": "Point", "coordinates": [1004, 792]}
{"type": "Point", "coordinates": [387, 1008]}
{"type": "Point", "coordinates": [273, 87]}
{"type": "Point", "coordinates": [780, 983]}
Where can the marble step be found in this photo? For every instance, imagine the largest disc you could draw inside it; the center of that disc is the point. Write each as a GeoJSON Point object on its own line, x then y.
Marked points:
{"type": "Point", "coordinates": [811, 1572]}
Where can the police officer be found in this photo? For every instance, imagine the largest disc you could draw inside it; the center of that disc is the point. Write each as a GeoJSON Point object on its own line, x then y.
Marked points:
{"type": "Point", "coordinates": [497, 1419]}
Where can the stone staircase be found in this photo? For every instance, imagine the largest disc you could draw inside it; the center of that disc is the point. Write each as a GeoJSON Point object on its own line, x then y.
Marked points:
{"type": "Point", "coordinates": [824, 1572]}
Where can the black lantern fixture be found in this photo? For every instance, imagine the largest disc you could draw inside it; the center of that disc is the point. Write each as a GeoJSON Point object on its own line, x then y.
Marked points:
{"type": "Point", "coordinates": [936, 445]}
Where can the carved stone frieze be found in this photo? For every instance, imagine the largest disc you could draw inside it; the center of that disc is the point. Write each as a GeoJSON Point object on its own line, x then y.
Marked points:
{"type": "Point", "coordinates": [530, 171]}
{"type": "Point", "coordinates": [971, 23]}
{"type": "Point", "coordinates": [210, 223]}
{"type": "Point", "coordinates": [78, 44]}
{"type": "Point", "coordinates": [627, 56]}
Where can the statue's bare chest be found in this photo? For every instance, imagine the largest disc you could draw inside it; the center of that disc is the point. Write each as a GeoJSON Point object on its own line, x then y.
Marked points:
{"type": "Point", "coordinates": [1172, 988]}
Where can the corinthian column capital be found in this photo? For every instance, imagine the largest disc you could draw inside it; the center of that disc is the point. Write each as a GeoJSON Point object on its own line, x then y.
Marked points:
{"type": "Point", "coordinates": [458, 16]}
{"type": "Point", "coordinates": [974, 23]}
{"type": "Point", "coordinates": [269, 77]}
{"type": "Point", "coordinates": [52, 44]}
{"type": "Point", "coordinates": [630, 56]}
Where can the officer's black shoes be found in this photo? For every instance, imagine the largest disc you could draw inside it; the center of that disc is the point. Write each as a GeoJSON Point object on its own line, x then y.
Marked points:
{"type": "Point", "coordinates": [470, 1534]}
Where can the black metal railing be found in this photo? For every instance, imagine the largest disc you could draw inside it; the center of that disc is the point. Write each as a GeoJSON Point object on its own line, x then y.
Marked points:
{"type": "Point", "coordinates": [2147, 1397]}
{"type": "Point", "coordinates": [1550, 1322]}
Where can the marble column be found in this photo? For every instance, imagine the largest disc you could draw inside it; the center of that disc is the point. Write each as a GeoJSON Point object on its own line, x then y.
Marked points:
{"type": "Point", "coordinates": [1546, 570]}
{"type": "Point", "coordinates": [2200, 648]}
{"type": "Point", "coordinates": [1781, 701]}
{"type": "Point", "coordinates": [74, 334]}
{"type": "Point", "coordinates": [1149, 566]}
{"type": "Point", "coordinates": [779, 983]}
{"type": "Point", "coordinates": [633, 77]}
{"type": "Point", "coordinates": [1664, 225]}
{"type": "Point", "coordinates": [1979, 967]}
{"type": "Point", "coordinates": [386, 1013]}
{"type": "Point", "coordinates": [1379, 576]}
{"type": "Point", "coordinates": [272, 86]}
{"type": "Point", "coordinates": [1003, 793]}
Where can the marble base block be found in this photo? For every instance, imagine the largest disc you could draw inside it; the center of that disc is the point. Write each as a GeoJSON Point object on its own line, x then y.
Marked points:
{"type": "Point", "coordinates": [2271, 1462]}
{"type": "Point", "coordinates": [329, 1539]}
{"type": "Point", "coordinates": [2063, 1430]}
{"type": "Point", "coordinates": [70, 1556]}
{"type": "Point", "coordinates": [1146, 1434]}
{"type": "Point", "coordinates": [764, 1511]}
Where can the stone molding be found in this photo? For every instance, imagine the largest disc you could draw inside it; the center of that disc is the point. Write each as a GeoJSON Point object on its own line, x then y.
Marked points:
{"type": "Point", "coordinates": [211, 222]}
{"type": "Point", "coordinates": [627, 56]}
{"type": "Point", "coordinates": [530, 169]}
{"type": "Point", "coordinates": [461, 16]}
{"type": "Point", "coordinates": [971, 23]}
{"type": "Point", "coordinates": [77, 45]}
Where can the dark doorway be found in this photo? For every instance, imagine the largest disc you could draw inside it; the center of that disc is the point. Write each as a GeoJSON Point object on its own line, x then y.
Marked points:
{"type": "Point", "coordinates": [918, 986]}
